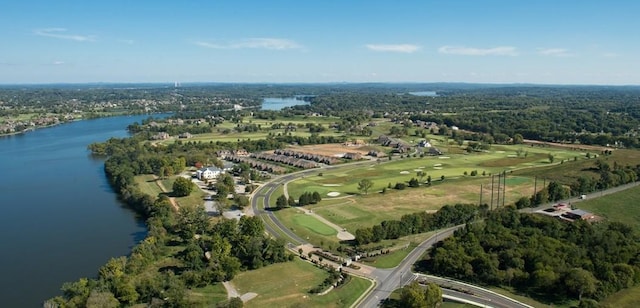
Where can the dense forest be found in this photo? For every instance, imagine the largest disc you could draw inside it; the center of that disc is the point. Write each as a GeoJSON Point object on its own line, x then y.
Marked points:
{"type": "Point", "coordinates": [540, 256]}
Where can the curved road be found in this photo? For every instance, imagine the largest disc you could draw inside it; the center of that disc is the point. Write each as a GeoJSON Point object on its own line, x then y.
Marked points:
{"type": "Point", "coordinates": [389, 280]}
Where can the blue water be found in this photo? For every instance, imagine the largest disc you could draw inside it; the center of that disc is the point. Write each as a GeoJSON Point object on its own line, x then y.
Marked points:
{"type": "Point", "coordinates": [60, 220]}
{"type": "Point", "coordinates": [424, 93]}
{"type": "Point", "coordinates": [274, 103]}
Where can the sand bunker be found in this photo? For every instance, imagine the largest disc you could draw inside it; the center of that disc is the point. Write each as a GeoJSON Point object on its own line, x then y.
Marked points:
{"type": "Point", "coordinates": [333, 194]}
{"type": "Point", "coordinates": [404, 172]}
{"type": "Point", "coordinates": [512, 155]}
{"type": "Point", "coordinates": [499, 151]}
{"type": "Point", "coordinates": [437, 165]}
{"type": "Point", "coordinates": [331, 185]}
{"type": "Point", "coordinates": [444, 157]}
{"type": "Point", "coordinates": [437, 168]}
{"type": "Point", "coordinates": [417, 169]}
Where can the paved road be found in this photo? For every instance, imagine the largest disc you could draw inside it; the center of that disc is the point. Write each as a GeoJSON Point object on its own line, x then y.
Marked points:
{"type": "Point", "coordinates": [402, 275]}
{"type": "Point", "coordinates": [389, 280]}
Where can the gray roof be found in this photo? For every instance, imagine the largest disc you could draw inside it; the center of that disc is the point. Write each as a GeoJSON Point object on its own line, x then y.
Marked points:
{"type": "Point", "coordinates": [580, 212]}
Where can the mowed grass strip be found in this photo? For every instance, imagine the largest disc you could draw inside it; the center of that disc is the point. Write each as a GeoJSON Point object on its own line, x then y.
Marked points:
{"type": "Point", "coordinates": [313, 224]}
{"type": "Point", "coordinates": [288, 284]}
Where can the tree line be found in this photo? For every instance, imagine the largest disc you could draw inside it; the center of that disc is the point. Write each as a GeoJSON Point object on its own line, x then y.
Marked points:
{"type": "Point", "coordinates": [540, 256]}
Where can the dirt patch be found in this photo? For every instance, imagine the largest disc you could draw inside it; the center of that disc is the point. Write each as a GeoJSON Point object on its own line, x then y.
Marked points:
{"type": "Point", "coordinates": [331, 149]}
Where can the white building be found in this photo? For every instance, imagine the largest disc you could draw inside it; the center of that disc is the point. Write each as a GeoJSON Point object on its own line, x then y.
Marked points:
{"type": "Point", "coordinates": [208, 173]}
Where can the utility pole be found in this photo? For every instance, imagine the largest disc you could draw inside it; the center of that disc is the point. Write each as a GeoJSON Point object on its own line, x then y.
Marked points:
{"type": "Point", "coordinates": [504, 187]}
{"type": "Point", "coordinates": [492, 192]}
{"type": "Point", "coordinates": [498, 200]}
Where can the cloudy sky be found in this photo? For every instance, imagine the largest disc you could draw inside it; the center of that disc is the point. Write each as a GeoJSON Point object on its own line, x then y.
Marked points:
{"type": "Point", "coordinates": [550, 42]}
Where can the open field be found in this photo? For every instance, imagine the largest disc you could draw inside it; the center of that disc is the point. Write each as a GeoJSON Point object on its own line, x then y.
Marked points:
{"type": "Point", "coordinates": [400, 252]}
{"type": "Point", "coordinates": [359, 211]}
{"type": "Point", "coordinates": [208, 296]}
{"type": "Point", "coordinates": [621, 206]}
{"type": "Point", "coordinates": [147, 184]}
{"type": "Point", "coordinates": [265, 128]}
{"type": "Point", "coordinates": [332, 149]}
{"type": "Point", "coordinates": [301, 276]}
{"type": "Point", "coordinates": [628, 298]}
{"type": "Point", "coordinates": [291, 217]}
{"type": "Point", "coordinates": [312, 224]}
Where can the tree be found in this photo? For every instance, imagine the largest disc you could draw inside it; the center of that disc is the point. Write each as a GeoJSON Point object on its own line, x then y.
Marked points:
{"type": "Point", "coordinates": [433, 295]}
{"type": "Point", "coordinates": [414, 183]}
{"type": "Point", "coordinates": [182, 187]}
{"type": "Point", "coordinates": [364, 185]}
{"type": "Point", "coordinates": [551, 158]}
{"type": "Point", "coordinates": [580, 282]}
{"type": "Point", "coordinates": [414, 296]}
{"type": "Point", "coordinates": [281, 202]}
{"type": "Point", "coordinates": [421, 174]}
{"type": "Point", "coordinates": [241, 201]}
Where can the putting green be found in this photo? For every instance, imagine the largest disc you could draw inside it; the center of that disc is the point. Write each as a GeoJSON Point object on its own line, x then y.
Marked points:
{"type": "Point", "coordinates": [313, 225]}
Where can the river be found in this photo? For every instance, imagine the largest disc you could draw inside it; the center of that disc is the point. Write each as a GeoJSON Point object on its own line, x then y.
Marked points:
{"type": "Point", "coordinates": [60, 219]}
{"type": "Point", "coordinates": [278, 103]}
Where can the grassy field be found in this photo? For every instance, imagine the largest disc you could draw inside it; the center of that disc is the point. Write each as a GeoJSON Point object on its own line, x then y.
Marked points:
{"type": "Point", "coordinates": [217, 133]}
{"type": "Point", "coordinates": [208, 296]}
{"type": "Point", "coordinates": [313, 224]}
{"type": "Point", "coordinates": [292, 218]}
{"type": "Point", "coordinates": [628, 298]}
{"type": "Point", "coordinates": [147, 184]}
{"type": "Point", "coordinates": [274, 291]}
{"type": "Point", "coordinates": [360, 211]}
{"type": "Point", "coordinates": [621, 207]}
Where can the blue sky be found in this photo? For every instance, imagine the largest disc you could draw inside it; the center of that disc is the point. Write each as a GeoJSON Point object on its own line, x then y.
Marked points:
{"type": "Point", "coordinates": [550, 42]}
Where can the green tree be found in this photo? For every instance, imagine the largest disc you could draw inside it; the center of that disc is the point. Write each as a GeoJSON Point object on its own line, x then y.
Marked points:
{"type": "Point", "coordinates": [421, 174]}
{"type": "Point", "coordinates": [364, 185]}
{"type": "Point", "coordinates": [433, 295]}
{"type": "Point", "coordinates": [102, 300]}
{"type": "Point", "coordinates": [241, 201]}
{"type": "Point", "coordinates": [182, 187]}
{"type": "Point", "coordinates": [551, 158]}
{"type": "Point", "coordinates": [281, 202]}
{"type": "Point", "coordinates": [581, 282]}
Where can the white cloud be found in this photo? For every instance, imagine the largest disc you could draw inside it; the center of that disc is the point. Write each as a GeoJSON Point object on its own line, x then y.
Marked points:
{"type": "Point", "coordinates": [57, 62]}
{"type": "Point", "coordinates": [254, 43]}
{"type": "Point", "coordinates": [405, 48]}
{"type": "Point", "coordinates": [554, 52]}
{"type": "Point", "coordinates": [470, 51]}
{"type": "Point", "coordinates": [610, 55]}
{"type": "Point", "coordinates": [61, 33]}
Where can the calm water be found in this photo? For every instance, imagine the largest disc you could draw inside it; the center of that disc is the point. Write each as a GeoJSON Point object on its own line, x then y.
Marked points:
{"type": "Point", "coordinates": [59, 220]}
{"type": "Point", "coordinates": [274, 103]}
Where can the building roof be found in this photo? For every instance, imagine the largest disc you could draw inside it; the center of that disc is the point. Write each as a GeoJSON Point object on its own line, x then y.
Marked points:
{"type": "Point", "coordinates": [580, 212]}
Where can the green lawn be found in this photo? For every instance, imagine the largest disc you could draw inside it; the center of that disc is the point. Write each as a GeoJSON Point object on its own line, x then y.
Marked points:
{"type": "Point", "coordinates": [628, 298]}
{"type": "Point", "coordinates": [313, 224]}
{"type": "Point", "coordinates": [621, 206]}
{"type": "Point", "coordinates": [530, 301]}
{"type": "Point", "coordinates": [288, 285]}
{"type": "Point", "coordinates": [325, 239]}
{"type": "Point", "coordinates": [208, 296]}
{"type": "Point", "coordinates": [147, 184]}
{"type": "Point", "coordinates": [390, 260]}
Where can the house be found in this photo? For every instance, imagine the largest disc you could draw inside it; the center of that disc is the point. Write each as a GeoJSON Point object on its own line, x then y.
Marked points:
{"type": "Point", "coordinates": [353, 156]}
{"type": "Point", "coordinates": [160, 136]}
{"type": "Point", "coordinates": [424, 144]}
{"type": "Point", "coordinates": [185, 136]}
{"type": "Point", "coordinates": [434, 151]}
{"type": "Point", "coordinates": [208, 173]}
{"type": "Point", "coordinates": [579, 214]}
